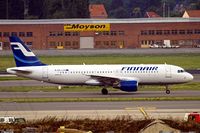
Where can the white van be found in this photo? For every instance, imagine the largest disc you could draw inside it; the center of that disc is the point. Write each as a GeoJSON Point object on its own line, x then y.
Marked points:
{"type": "Point", "coordinates": [9, 119]}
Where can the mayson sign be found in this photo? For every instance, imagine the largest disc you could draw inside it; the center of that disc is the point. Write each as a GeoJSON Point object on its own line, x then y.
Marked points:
{"type": "Point", "coordinates": [87, 27]}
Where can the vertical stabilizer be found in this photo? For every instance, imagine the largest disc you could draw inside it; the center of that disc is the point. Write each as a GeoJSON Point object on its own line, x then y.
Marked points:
{"type": "Point", "coordinates": [22, 54]}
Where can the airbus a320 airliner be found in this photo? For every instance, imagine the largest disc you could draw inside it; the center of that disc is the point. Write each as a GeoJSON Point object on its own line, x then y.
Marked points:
{"type": "Point", "coordinates": [125, 77]}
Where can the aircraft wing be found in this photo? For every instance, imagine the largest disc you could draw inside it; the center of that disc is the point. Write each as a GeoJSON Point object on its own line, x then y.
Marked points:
{"type": "Point", "coordinates": [106, 80]}
{"type": "Point", "coordinates": [111, 80]}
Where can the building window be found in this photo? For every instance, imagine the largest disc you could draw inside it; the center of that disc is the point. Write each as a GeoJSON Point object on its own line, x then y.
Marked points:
{"type": "Point", "coordinates": [52, 33]}
{"type": "Point", "coordinates": [98, 43]}
{"type": "Point", "coordinates": [67, 43]}
{"type": "Point", "coordinates": [6, 45]}
{"type": "Point", "coordinates": [75, 43]}
{"type": "Point", "coordinates": [29, 34]}
{"type": "Point", "coordinates": [21, 34]}
{"type": "Point", "coordinates": [197, 31]}
{"type": "Point", "coordinates": [143, 32]}
{"type": "Point", "coordinates": [105, 33]}
{"type": "Point", "coordinates": [106, 43]}
{"type": "Point", "coordinates": [121, 33]}
{"type": "Point", "coordinates": [151, 32]}
{"type": "Point", "coordinates": [13, 33]}
{"type": "Point", "coordinates": [113, 33]}
{"type": "Point", "coordinates": [181, 32]}
{"type": "Point", "coordinates": [174, 32]}
{"type": "Point", "coordinates": [166, 32]}
{"type": "Point", "coordinates": [52, 44]}
{"type": "Point", "coordinates": [75, 33]}
{"type": "Point", "coordinates": [29, 43]}
{"type": "Point", "coordinates": [189, 31]}
{"type": "Point", "coordinates": [113, 43]}
{"type": "Point", "coordinates": [59, 33]}
{"type": "Point", "coordinates": [67, 34]}
{"type": "Point", "coordinates": [6, 34]}
{"type": "Point", "coordinates": [158, 32]}
{"type": "Point", "coordinates": [60, 44]}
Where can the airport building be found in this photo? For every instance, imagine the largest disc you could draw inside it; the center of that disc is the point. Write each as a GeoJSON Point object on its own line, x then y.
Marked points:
{"type": "Point", "coordinates": [102, 33]}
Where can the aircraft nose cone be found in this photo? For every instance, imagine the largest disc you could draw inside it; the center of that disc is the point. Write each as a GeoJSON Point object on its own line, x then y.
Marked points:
{"type": "Point", "coordinates": [190, 77]}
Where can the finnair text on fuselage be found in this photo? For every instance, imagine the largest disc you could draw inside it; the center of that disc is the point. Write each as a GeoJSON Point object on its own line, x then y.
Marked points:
{"type": "Point", "coordinates": [135, 68]}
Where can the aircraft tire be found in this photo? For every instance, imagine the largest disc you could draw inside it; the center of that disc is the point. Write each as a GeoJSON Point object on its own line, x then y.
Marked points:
{"type": "Point", "coordinates": [167, 91]}
{"type": "Point", "coordinates": [104, 91]}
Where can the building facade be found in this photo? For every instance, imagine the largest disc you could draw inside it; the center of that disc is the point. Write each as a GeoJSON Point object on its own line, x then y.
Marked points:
{"type": "Point", "coordinates": [123, 33]}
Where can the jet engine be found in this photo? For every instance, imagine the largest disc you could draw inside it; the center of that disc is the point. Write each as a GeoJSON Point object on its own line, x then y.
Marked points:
{"type": "Point", "coordinates": [128, 85]}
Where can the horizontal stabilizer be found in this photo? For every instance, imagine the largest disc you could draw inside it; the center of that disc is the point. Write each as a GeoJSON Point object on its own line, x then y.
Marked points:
{"type": "Point", "coordinates": [15, 71]}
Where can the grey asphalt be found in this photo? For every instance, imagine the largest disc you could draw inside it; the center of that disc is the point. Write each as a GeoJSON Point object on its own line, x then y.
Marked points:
{"type": "Point", "coordinates": [53, 106]}
{"type": "Point", "coordinates": [109, 51]}
{"type": "Point", "coordinates": [24, 83]}
{"type": "Point", "coordinates": [112, 94]}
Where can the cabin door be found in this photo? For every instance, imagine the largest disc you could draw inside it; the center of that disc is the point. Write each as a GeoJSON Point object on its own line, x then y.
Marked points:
{"type": "Point", "coordinates": [45, 73]}
{"type": "Point", "coordinates": [168, 73]}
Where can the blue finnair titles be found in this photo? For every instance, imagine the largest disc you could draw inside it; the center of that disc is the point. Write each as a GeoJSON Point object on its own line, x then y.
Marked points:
{"type": "Point", "coordinates": [146, 68]}
{"type": "Point", "coordinates": [23, 56]}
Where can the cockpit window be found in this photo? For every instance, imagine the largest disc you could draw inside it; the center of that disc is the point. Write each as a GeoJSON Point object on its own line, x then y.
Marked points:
{"type": "Point", "coordinates": [181, 71]}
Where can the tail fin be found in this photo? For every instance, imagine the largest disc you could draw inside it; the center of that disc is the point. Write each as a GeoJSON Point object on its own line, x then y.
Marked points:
{"type": "Point", "coordinates": [22, 54]}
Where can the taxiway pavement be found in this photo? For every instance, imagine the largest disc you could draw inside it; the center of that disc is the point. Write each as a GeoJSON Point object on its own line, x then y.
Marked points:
{"type": "Point", "coordinates": [100, 110]}
{"type": "Point", "coordinates": [112, 94]}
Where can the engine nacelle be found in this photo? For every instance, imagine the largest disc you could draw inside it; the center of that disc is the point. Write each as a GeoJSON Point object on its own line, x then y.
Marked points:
{"type": "Point", "coordinates": [128, 85]}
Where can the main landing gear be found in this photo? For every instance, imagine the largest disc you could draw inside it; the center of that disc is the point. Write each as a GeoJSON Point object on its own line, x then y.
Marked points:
{"type": "Point", "coordinates": [104, 91]}
{"type": "Point", "coordinates": [167, 89]}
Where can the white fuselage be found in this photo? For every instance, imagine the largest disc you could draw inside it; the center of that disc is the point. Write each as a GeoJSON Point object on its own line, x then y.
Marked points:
{"type": "Point", "coordinates": [85, 74]}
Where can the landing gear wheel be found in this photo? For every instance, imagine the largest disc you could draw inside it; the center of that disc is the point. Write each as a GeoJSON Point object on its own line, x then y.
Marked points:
{"type": "Point", "coordinates": [168, 91]}
{"type": "Point", "coordinates": [104, 91]}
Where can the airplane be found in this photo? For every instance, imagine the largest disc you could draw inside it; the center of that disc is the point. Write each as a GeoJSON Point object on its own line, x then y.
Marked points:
{"type": "Point", "coordinates": [125, 77]}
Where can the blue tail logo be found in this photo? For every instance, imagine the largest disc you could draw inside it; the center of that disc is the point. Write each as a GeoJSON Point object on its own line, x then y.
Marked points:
{"type": "Point", "coordinates": [22, 54]}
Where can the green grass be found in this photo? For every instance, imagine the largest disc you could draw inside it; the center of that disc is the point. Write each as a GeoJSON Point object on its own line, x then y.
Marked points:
{"type": "Point", "coordinates": [49, 89]}
{"type": "Point", "coordinates": [187, 61]}
{"type": "Point", "coordinates": [187, 86]}
{"type": "Point", "coordinates": [6, 78]}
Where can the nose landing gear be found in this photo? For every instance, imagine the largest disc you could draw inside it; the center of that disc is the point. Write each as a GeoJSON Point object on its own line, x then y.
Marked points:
{"type": "Point", "coordinates": [167, 89]}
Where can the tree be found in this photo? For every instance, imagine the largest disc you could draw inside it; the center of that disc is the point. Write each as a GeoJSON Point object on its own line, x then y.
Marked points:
{"type": "Point", "coordinates": [36, 8]}
{"type": "Point", "coordinates": [136, 13]}
{"type": "Point", "coordinates": [11, 9]}
{"type": "Point", "coordinates": [16, 9]}
{"type": "Point", "coordinates": [116, 4]}
{"type": "Point", "coordinates": [76, 8]}
{"type": "Point", "coordinates": [3, 12]}
{"type": "Point", "coordinates": [119, 13]}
